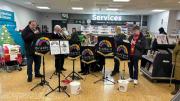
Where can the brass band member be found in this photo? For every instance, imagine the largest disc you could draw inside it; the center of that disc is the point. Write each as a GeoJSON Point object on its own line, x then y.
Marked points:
{"type": "Point", "coordinates": [59, 59]}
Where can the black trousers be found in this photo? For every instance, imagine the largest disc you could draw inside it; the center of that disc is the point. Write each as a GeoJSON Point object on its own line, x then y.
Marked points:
{"type": "Point", "coordinates": [37, 64]}
{"type": "Point", "coordinates": [116, 65]}
{"type": "Point", "coordinates": [59, 62]}
{"type": "Point", "coordinates": [133, 67]}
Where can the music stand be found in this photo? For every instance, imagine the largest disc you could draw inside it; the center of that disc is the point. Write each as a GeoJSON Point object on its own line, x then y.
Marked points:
{"type": "Point", "coordinates": [59, 87]}
{"type": "Point", "coordinates": [56, 49]}
{"type": "Point", "coordinates": [41, 47]}
{"type": "Point", "coordinates": [43, 79]}
{"type": "Point", "coordinates": [55, 73]}
{"type": "Point", "coordinates": [74, 55]}
{"type": "Point", "coordinates": [122, 54]}
{"type": "Point", "coordinates": [105, 48]}
{"type": "Point", "coordinates": [88, 56]}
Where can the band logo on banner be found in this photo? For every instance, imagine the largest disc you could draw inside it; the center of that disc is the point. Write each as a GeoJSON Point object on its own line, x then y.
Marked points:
{"type": "Point", "coordinates": [87, 54]}
{"type": "Point", "coordinates": [42, 45]}
{"type": "Point", "coordinates": [105, 45]}
{"type": "Point", "coordinates": [74, 50]}
{"type": "Point", "coordinates": [122, 50]}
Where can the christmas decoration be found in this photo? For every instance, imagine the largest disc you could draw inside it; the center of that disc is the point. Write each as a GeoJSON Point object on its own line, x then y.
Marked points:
{"type": "Point", "coordinates": [5, 36]}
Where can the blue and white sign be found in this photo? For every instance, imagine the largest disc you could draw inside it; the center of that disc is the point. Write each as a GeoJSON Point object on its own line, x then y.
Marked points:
{"type": "Point", "coordinates": [6, 15]}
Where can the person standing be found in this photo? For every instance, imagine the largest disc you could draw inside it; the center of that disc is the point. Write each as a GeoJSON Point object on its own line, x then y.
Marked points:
{"type": "Point", "coordinates": [176, 63]}
{"type": "Point", "coordinates": [118, 39]}
{"type": "Point", "coordinates": [28, 37]}
{"type": "Point", "coordinates": [59, 59]}
{"type": "Point", "coordinates": [138, 44]}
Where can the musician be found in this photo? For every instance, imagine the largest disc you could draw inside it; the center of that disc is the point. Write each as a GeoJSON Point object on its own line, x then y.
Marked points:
{"type": "Point", "coordinates": [118, 39]}
{"type": "Point", "coordinates": [28, 37]}
{"type": "Point", "coordinates": [138, 43]}
{"type": "Point", "coordinates": [59, 59]}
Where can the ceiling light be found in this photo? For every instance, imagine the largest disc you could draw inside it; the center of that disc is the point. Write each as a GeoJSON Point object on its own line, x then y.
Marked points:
{"type": "Point", "coordinates": [42, 7]}
{"type": "Point", "coordinates": [121, 0]}
{"type": "Point", "coordinates": [77, 8]}
{"type": "Point", "coordinates": [112, 9]}
{"type": "Point", "coordinates": [179, 2]}
{"type": "Point", "coordinates": [158, 10]}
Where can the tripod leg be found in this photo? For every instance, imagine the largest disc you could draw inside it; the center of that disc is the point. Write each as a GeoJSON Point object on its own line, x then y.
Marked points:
{"type": "Point", "coordinates": [109, 80]}
{"type": "Point", "coordinates": [78, 75]}
{"type": "Point", "coordinates": [52, 75]}
{"type": "Point", "coordinates": [51, 91]}
{"type": "Point", "coordinates": [99, 80]}
{"type": "Point", "coordinates": [63, 90]}
{"type": "Point", "coordinates": [49, 86]}
{"type": "Point", "coordinates": [35, 86]}
{"type": "Point", "coordinates": [69, 75]}
{"type": "Point", "coordinates": [63, 74]}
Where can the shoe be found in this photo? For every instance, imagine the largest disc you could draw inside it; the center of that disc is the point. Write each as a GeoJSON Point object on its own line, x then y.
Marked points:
{"type": "Point", "coordinates": [114, 73]}
{"type": "Point", "coordinates": [130, 80]}
{"type": "Point", "coordinates": [38, 75]}
{"type": "Point", "coordinates": [135, 82]}
{"type": "Point", "coordinates": [80, 72]}
{"type": "Point", "coordinates": [29, 79]}
{"type": "Point", "coordinates": [63, 69]}
{"type": "Point", "coordinates": [175, 90]}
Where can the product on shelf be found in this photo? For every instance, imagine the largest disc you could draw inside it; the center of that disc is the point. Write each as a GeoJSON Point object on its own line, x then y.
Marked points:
{"type": "Point", "coordinates": [161, 39]}
{"type": "Point", "coordinates": [172, 38]}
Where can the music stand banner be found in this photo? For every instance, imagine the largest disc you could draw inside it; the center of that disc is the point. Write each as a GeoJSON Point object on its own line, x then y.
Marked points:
{"type": "Point", "coordinates": [105, 44]}
{"type": "Point", "coordinates": [122, 50]}
{"type": "Point", "coordinates": [74, 50]}
{"type": "Point", "coordinates": [87, 53]}
{"type": "Point", "coordinates": [41, 43]}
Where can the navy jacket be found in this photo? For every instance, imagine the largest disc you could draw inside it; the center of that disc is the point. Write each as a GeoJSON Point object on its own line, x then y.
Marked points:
{"type": "Point", "coordinates": [140, 45]}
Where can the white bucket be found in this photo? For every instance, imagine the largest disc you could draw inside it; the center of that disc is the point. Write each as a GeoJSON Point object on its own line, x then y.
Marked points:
{"type": "Point", "coordinates": [123, 85]}
{"type": "Point", "coordinates": [75, 87]}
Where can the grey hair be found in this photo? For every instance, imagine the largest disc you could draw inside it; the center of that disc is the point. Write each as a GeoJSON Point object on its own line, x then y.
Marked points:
{"type": "Point", "coordinates": [57, 26]}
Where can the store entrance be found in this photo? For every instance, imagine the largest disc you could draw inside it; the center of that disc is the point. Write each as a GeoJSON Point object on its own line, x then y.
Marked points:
{"type": "Point", "coordinates": [62, 23]}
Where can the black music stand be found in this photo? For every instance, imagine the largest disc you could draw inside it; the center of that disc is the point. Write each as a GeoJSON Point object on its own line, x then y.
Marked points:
{"type": "Point", "coordinates": [73, 73]}
{"type": "Point", "coordinates": [105, 48]}
{"type": "Point", "coordinates": [89, 63]}
{"type": "Point", "coordinates": [104, 77]}
{"type": "Point", "coordinates": [55, 73]}
{"type": "Point", "coordinates": [43, 79]}
{"type": "Point", "coordinates": [122, 54]}
{"type": "Point", "coordinates": [88, 56]}
{"type": "Point", "coordinates": [74, 54]}
{"type": "Point", "coordinates": [59, 87]}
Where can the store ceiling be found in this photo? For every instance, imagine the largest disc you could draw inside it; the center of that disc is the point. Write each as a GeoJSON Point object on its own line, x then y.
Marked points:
{"type": "Point", "coordinates": [99, 6]}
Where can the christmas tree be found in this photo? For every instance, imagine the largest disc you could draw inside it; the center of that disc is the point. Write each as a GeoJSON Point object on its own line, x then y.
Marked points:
{"type": "Point", "coordinates": [5, 36]}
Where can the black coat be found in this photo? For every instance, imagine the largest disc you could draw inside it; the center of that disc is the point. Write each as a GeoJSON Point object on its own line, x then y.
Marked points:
{"type": "Point", "coordinates": [140, 45]}
{"type": "Point", "coordinates": [57, 37]}
{"type": "Point", "coordinates": [28, 37]}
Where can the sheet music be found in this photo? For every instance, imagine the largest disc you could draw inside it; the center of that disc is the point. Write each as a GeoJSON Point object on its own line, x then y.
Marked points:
{"type": "Point", "coordinates": [64, 47]}
{"type": "Point", "coordinates": [55, 47]}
